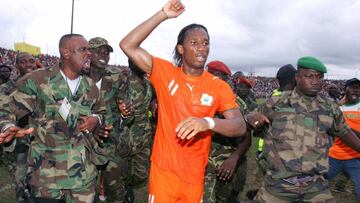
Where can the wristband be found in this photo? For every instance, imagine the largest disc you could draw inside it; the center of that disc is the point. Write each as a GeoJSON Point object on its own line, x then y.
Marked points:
{"type": "Point", "coordinates": [210, 121]}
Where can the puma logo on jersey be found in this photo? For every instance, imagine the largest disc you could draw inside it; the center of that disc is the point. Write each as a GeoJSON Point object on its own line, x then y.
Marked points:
{"type": "Point", "coordinates": [206, 100]}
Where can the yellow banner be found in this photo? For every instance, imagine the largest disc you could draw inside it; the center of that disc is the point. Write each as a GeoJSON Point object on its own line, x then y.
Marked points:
{"type": "Point", "coordinates": [24, 47]}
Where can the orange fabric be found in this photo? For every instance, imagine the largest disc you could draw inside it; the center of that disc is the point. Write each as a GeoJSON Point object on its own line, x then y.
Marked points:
{"type": "Point", "coordinates": [340, 150]}
{"type": "Point", "coordinates": [179, 97]}
{"type": "Point", "coordinates": [167, 187]}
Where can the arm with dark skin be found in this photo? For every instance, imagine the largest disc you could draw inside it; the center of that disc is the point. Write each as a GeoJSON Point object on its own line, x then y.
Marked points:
{"type": "Point", "coordinates": [227, 168]}
{"type": "Point", "coordinates": [352, 140]}
{"type": "Point", "coordinates": [131, 42]}
{"type": "Point", "coordinates": [232, 126]}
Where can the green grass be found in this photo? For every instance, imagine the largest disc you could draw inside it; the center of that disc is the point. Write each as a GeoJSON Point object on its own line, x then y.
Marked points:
{"type": "Point", "coordinates": [254, 180]}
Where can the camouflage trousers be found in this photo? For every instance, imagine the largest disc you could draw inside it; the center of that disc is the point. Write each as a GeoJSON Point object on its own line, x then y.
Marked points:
{"type": "Point", "coordinates": [18, 171]}
{"type": "Point", "coordinates": [115, 176]}
{"type": "Point", "coordinates": [139, 164]}
{"type": "Point", "coordinates": [216, 190]}
{"type": "Point", "coordinates": [81, 195]}
{"type": "Point", "coordinates": [285, 192]}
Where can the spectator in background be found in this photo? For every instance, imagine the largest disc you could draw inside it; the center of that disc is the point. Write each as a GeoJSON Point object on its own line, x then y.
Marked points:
{"type": "Point", "coordinates": [5, 72]}
{"type": "Point", "coordinates": [342, 158]}
{"type": "Point", "coordinates": [334, 92]}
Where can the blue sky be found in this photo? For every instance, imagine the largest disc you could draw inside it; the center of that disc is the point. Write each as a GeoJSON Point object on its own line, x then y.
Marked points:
{"type": "Point", "coordinates": [249, 35]}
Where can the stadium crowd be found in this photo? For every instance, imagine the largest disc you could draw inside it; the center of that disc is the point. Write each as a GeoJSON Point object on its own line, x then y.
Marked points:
{"type": "Point", "coordinates": [262, 89]}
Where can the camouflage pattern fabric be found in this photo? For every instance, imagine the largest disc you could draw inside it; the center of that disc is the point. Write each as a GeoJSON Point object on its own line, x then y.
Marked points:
{"type": "Point", "coordinates": [114, 87]}
{"type": "Point", "coordinates": [138, 128]}
{"type": "Point", "coordinates": [221, 148]}
{"type": "Point", "coordinates": [323, 197]}
{"type": "Point", "coordinates": [18, 160]}
{"type": "Point", "coordinates": [85, 194]}
{"type": "Point", "coordinates": [297, 142]}
{"type": "Point", "coordinates": [60, 156]}
{"type": "Point", "coordinates": [115, 176]}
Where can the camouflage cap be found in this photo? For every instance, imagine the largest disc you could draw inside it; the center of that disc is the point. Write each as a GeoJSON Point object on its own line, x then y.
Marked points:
{"type": "Point", "coordinates": [313, 63]}
{"type": "Point", "coordinates": [98, 42]}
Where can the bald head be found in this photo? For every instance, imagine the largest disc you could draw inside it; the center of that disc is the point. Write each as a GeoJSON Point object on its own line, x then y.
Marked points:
{"type": "Point", "coordinates": [64, 40]}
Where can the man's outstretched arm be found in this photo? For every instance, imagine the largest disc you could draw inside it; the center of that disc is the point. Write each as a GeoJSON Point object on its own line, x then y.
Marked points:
{"type": "Point", "coordinates": [130, 44]}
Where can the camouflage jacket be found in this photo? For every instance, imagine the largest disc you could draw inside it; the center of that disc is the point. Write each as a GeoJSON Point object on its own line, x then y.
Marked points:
{"type": "Point", "coordinates": [114, 87]}
{"type": "Point", "coordinates": [298, 138]}
{"type": "Point", "coordinates": [138, 126]}
{"type": "Point", "coordinates": [7, 88]}
{"type": "Point", "coordinates": [60, 157]}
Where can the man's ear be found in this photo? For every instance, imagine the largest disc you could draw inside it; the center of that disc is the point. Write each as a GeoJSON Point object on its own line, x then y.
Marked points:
{"type": "Point", "coordinates": [180, 49]}
{"type": "Point", "coordinates": [65, 53]}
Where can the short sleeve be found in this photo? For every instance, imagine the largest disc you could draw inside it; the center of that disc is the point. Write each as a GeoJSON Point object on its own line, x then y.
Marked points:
{"type": "Point", "coordinates": [160, 70]}
{"type": "Point", "coordinates": [227, 98]}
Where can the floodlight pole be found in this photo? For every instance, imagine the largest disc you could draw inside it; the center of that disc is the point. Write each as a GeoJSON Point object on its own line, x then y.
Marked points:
{"type": "Point", "coordinates": [72, 17]}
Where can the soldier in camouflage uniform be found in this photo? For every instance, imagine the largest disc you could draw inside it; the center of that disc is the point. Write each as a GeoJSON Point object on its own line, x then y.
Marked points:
{"type": "Point", "coordinates": [5, 72]}
{"type": "Point", "coordinates": [227, 158]}
{"type": "Point", "coordinates": [296, 145]}
{"type": "Point", "coordinates": [243, 89]}
{"type": "Point", "coordinates": [112, 83]}
{"type": "Point", "coordinates": [138, 127]}
{"type": "Point", "coordinates": [64, 108]}
{"type": "Point", "coordinates": [250, 98]}
{"type": "Point", "coordinates": [25, 63]}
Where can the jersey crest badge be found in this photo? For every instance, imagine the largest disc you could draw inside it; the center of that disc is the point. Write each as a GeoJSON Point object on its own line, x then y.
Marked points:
{"type": "Point", "coordinates": [206, 100]}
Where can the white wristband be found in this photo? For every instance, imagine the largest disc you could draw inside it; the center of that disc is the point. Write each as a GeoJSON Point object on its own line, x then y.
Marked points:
{"type": "Point", "coordinates": [210, 121]}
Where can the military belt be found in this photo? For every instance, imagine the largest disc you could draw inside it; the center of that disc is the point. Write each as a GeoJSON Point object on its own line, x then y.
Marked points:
{"type": "Point", "coordinates": [298, 179]}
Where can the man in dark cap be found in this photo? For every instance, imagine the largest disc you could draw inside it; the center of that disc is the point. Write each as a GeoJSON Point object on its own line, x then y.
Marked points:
{"type": "Point", "coordinates": [226, 170]}
{"type": "Point", "coordinates": [286, 77]}
{"type": "Point", "coordinates": [286, 80]}
{"type": "Point", "coordinates": [301, 122]}
{"type": "Point", "coordinates": [342, 158]}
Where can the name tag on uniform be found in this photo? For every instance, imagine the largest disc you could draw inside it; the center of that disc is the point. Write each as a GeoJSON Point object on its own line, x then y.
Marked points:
{"type": "Point", "coordinates": [65, 109]}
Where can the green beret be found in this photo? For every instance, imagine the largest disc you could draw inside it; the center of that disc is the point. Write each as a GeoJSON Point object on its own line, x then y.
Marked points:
{"type": "Point", "coordinates": [311, 63]}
